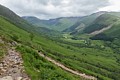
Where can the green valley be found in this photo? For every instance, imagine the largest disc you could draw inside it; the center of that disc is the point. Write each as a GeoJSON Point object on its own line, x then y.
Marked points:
{"type": "Point", "coordinates": [67, 40]}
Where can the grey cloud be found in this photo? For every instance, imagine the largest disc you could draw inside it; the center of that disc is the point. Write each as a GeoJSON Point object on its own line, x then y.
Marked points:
{"type": "Point", "coordinates": [55, 8]}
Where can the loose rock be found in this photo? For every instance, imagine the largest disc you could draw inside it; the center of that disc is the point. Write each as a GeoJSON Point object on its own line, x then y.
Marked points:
{"type": "Point", "coordinates": [11, 67]}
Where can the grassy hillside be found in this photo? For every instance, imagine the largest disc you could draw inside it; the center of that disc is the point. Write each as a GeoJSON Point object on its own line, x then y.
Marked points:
{"type": "Point", "coordinates": [115, 13]}
{"type": "Point", "coordinates": [82, 23]}
{"type": "Point", "coordinates": [15, 19]}
{"type": "Point", "coordinates": [9, 33]}
{"type": "Point", "coordinates": [93, 57]}
{"type": "Point", "coordinates": [103, 21]}
{"type": "Point", "coordinates": [80, 58]}
{"type": "Point", "coordinates": [23, 24]}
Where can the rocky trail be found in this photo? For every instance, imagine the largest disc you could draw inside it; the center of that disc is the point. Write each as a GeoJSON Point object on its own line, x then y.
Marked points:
{"type": "Point", "coordinates": [11, 67]}
{"type": "Point", "coordinates": [66, 68]}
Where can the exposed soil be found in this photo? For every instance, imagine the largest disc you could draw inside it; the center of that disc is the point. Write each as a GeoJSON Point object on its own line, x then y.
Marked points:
{"type": "Point", "coordinates": [100, 31]}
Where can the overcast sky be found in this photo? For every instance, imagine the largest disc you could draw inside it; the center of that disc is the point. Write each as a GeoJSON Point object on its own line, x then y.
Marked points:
{"type": "Point", "coordinates": [46, 9]}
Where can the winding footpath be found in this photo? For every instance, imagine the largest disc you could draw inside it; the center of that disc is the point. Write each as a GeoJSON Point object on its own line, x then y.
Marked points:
{"type": "Point", "coordinates": [11, 67]}
{"type": "Point", "coordinates": [66, 68]}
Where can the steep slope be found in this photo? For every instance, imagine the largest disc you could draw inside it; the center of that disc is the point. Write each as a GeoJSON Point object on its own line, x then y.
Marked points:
{"type": "Point", "coordinates": [82, 23]}
{"type": "Point", "coordinates": [115, 13]}
{"type": "Point", "coordinates": [58, 24]}
{"type": "Point", "coordinates": [23, 24]}
{"type": "Point", "coordinates": [105, 27]}
{"type": "Point", "coordinates": [11, 34]}
{"type": "Point", "coordinates": [101, 22]}
{"type": "Point", "coordinates": [101, 30]}
{"type": "Point", "coordinates": [15, 19]}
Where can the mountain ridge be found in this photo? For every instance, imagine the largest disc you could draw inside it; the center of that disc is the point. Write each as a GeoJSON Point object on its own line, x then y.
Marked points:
{"type": "Point", "coordinates": [63, 23]}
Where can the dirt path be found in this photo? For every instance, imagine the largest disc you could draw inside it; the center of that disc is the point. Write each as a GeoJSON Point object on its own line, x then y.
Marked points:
{"type": "Point", "coordinates": [68, 69]}
{"type": "Point", "coordinates": [11, 67]}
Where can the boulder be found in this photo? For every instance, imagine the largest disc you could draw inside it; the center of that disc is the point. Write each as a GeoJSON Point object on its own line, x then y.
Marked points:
{"type": "Point", "coordinates": [19, 78]}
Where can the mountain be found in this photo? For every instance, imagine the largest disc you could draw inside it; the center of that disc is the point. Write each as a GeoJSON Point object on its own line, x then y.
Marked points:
{"type": "Point", "coordinates": [100, 25]}
{"type": "Point", "coordinates": [85, 21]}
{"type": "Point", "coordinates": [23, 24]}
{"type": "Point", "coordinates": [15, 19]}
{"type": "Point", "coordinates": [58, 24]}
{"type": "Point", "coordinates": [14, 35]}
{"type": "Point", "coordinates": [96, 24]}
{"type": "Point", "coordinates": [64, 24]}
{"type": "Point", "coordinates": [90, 57]}
{"type": "Point", "coordinates": [106, 26]}
{"type": "Point", "coordinates": [115, 13]}
{"type": "Point", "coordinates": [101, 22]}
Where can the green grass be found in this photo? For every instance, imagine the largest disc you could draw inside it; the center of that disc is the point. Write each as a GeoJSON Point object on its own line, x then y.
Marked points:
{"type": "Point", "coordinates": [3, 50]}
{"type": "Point", "coordinates": [40, 69]}
{"type": "Point", "coordinates": [91, 59]}
{"type": "Point", "coordinates": [48, 71]}
{"type": "Point", "coordinates": [74, 41]}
